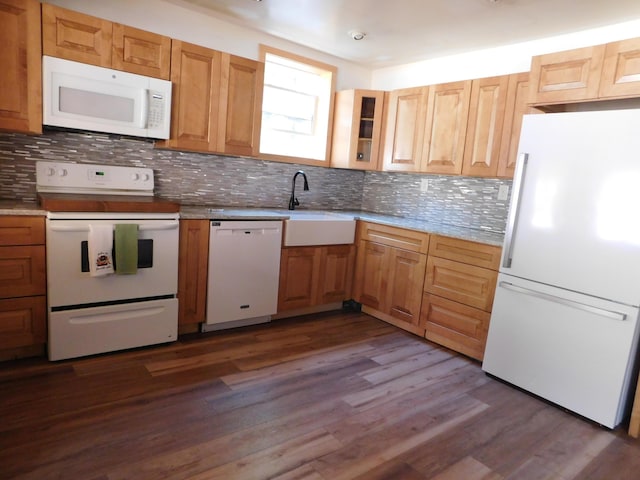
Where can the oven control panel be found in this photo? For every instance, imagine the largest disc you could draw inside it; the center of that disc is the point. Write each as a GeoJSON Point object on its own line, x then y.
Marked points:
{"type": "Point", "coordinates": [62, 177]}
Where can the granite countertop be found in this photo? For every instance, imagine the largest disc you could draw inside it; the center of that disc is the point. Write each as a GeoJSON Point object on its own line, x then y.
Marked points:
{"type": "Point", "coordinates": [482, 236]}
{"type": "Point", "coordinates": [10, 207]}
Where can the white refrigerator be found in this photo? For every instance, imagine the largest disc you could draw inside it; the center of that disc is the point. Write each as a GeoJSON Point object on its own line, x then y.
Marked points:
{"type": "Point", "coordinates": [564, 324]}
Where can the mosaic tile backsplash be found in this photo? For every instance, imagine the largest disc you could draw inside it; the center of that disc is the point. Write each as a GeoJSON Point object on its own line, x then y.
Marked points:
{"type": "Point", "coordinates": [201, 179]}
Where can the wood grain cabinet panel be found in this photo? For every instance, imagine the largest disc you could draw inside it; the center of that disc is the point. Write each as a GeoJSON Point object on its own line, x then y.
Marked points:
{"type": "Point", "coordinates": [568, 76]}
{"type": "Point", "coordinates": [454, 325]}
{"type": "Point", "coordinates": [404, 134]}
{"type": "Point", "coordinates": [76, 36]}
{"type": "Point", "coordinates": [240, 105]}
{"type": "Point", "coordinates": [465, 251]}
{"type": "Point", "coordinates": [23, 322]}
{"type": "Point", "coordinates": [193, 267]}
{"type": "Point", "coordinates": [23, 287]}
{"type": "Point", "coordinates": [388, 279]}
{"type": "Point", "coordinates": [484, 127]}
{"type": "Point", "coordinates": [141, 52]}
{"type": "Point", "coordinates": [446, 126]}
{"type": "Point", "coordinates": [21, 72]}
{"type": "Point", "coordinates": [315, 275]}
{"type": "Point", "coordinates": [466, 284]}
{"type": "Point", "coordinates": [621, 69]}
{"type": "Point", "coordinates": [516, 107]}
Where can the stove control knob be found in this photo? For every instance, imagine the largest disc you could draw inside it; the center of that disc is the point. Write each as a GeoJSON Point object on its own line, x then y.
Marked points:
{"type": "Point", "coordinates": [51, 172]}
{"type": "Point", "coordinates": [135, 177]}
{"type": "Point", "coordinates": [145, 177]}
{"type": "Point", "coordinates": [62, 172]}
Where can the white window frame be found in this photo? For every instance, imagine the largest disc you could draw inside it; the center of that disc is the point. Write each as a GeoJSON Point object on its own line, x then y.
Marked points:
{"type": "Point", "coordinates": [318, 140]}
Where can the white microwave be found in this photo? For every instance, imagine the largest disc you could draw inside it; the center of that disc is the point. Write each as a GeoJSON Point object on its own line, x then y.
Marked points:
{"type": "Point", "coordinates": [86, 97]}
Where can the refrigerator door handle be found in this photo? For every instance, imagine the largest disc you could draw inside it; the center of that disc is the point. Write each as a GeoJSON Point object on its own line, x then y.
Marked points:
{"type": "Point", "coordinates": [512, 221]}
{"type": "Point", "coordinates": [564, 301]}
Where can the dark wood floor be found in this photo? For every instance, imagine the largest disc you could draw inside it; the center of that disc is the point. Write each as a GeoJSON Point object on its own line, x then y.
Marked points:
{"type": "Point", "coordinates": [332, 396]}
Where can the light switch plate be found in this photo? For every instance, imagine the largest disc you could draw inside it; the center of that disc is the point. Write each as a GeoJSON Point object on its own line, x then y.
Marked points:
{"type": "Point", "coordinates": [424, 185]}
{"type": "Point", "coordinates": [503, 192]}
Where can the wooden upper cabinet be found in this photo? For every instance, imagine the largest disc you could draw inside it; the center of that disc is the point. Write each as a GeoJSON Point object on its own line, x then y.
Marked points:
{"type": "Point", "coordinates": [446, 124]}
{"type": "Point", "coordinates": [86, 39]}
{"type": "Point", "coordinates": [404, 134]}
{"type": "Point", "coordinates": [240, 105]}
{"type": "Point", "coordinates": [21, 72]}
{"type": "Point", "coordinates": [516, 107]}
{"type": "Point", "coordinates": [484, 127]}
{"type": "Point", "coordinates": [76, 36]}
{"type": "Point", "coordinates": [357, 125]}
{"type": "Point", "coordinates": [141, 52]}
{"type": "Point", "coordinates": [568, 76]}
{"type": "Point", "coordinates": [195, 73]}
{"type": "Point", "coordinates": [621, 69]}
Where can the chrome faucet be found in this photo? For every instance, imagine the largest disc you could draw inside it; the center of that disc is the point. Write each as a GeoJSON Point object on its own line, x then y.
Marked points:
{"type": "Point", "coordinates": [293, 201]}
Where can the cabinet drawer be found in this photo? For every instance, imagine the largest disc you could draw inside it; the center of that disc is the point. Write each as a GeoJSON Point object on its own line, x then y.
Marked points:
{"type": "Point", "coordinates": [467, 284]}
{"type": "Point", "coordinates": [18, 230]}
{"type": "Point", "coordinates": [23, 322]}
{"type": "Point", "coordinates": [456, 326]}
{"type": "Point", "coordinates": [478, 254]}
{"type": "Point", "coordinates": [394, 237]}
{"type": "Point", "coordinates": [22, 271]}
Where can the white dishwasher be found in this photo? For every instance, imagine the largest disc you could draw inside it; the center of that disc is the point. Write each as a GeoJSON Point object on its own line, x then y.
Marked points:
{"type": "Point", "coordinates": [244, 269]}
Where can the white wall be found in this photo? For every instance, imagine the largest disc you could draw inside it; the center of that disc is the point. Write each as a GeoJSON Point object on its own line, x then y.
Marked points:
{"type": "Point", "coordinates": [496, 61]}
{"type": "Point", "coordinates": [195, 25]}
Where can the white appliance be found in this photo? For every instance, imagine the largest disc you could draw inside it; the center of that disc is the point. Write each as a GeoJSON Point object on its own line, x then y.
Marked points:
{"type": "Point", "coordinates": [244, 268]}
{"type": "Point", "coordinates": [565, 316]}
{"type": "Point", "coordinates": [89, 314]}
{"type": "Point", "coordinates": [87, 97]}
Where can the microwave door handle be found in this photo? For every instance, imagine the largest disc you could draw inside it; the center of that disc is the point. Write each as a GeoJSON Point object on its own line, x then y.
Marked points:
{"type": "Point", "coordinates": [144, 109]}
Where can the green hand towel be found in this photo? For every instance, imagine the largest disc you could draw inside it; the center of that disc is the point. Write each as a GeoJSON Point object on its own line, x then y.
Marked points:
{"type": "Point", "coordinates": [126, 243]}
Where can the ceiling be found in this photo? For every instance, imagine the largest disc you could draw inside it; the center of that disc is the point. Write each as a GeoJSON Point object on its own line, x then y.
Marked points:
{"type": "Point", "coordinates": [404, 31]}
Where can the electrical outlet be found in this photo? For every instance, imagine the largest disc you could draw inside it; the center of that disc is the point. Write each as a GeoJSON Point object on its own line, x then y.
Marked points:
{"type": "Point", "coordinates": [424, 185]}
{"type": "Point", "coordinates": [503, 192]}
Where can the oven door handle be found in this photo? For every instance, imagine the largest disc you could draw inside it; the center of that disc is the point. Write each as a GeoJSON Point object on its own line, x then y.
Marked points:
{"type": "Point", "coordinates": [142, 228]}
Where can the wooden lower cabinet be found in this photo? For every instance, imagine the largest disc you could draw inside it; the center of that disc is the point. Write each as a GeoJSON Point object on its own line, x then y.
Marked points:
{"type": "Point", "coordinates": [454, 325]}
{"type": "Point", "coordinates": [315, 275]}
{"type": "Point", "coordinates": [193, 268]}
{"type": "Point", "coordinates": [389, 280]}
{"type": "Point", "coordinates": [459, 287]}
{"type": "Point", "coordinates": [23, 287]}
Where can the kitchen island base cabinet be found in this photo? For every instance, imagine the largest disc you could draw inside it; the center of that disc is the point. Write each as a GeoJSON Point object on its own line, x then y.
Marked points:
{"type": "Point", "coordinates": [389, 279]}
{"type": "Point", "coordinates": [314, 276]}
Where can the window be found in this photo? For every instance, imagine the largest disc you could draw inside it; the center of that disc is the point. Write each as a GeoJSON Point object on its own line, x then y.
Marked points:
{"type": "Point", "coordinates": [296, 106]}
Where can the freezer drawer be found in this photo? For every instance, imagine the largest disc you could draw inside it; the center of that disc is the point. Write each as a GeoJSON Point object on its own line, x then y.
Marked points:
{"type": "Point", "coordinates": [574, 350]}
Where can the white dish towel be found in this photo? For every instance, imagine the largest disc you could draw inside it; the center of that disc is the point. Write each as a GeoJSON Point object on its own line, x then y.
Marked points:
{"type": "Point", "coordinates": [100, 250]}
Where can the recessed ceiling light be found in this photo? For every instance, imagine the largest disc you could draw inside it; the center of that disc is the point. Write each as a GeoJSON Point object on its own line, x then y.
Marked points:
{"type": "Point", "coordinates": [357, 35]}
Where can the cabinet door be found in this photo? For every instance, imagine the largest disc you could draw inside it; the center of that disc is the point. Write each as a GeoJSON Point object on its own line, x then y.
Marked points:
{"type": "Point", "coordinates": [336, 273]}
{"type": "Point", "coordinates": [404, 290]}
{"type": "Point", "coordinates": [23, 322]}
{"type": "Point", "coordinates": [467, 284]}
{"type": "Point", "coordinates": [621, 69]}
{"type": "Point", "coordinates": [404, 134]}
{"type": "Point", "coordinates": [484, 127]}
{"type": "Point", "coordinates": [446, 125]}
{"type": "Point", "coordinates": [195, 73]}
{"type": "Point", "coordinates": [21, 72]}
{"type": "Point", "coordinates": [465, 251]}
{"type": "Point", "coordinates": [75, 36]}
{"type": "Point", "coordinates": [19, 230]}
{"type": "Point", "coordinates": [372, 268]}
{"type": "Point", "coordinates": [357, 124]}
{"type": "Point", "coordinates": [141, 52]}
{"type": "Point", "coordinates": [299, 268]}
{"type": "Point", "coordinates": [456, 326]}
{"type": "Point", "coordinates": [516, 107]}
{"type": "Point", "coordinates": [240, 112]}
{"type": "Point", "coordinates": [22, 271]}
{"type": "Point", "coordinates": [568, 76]}
{"type": "Point", "coordinates": [193, 266]}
